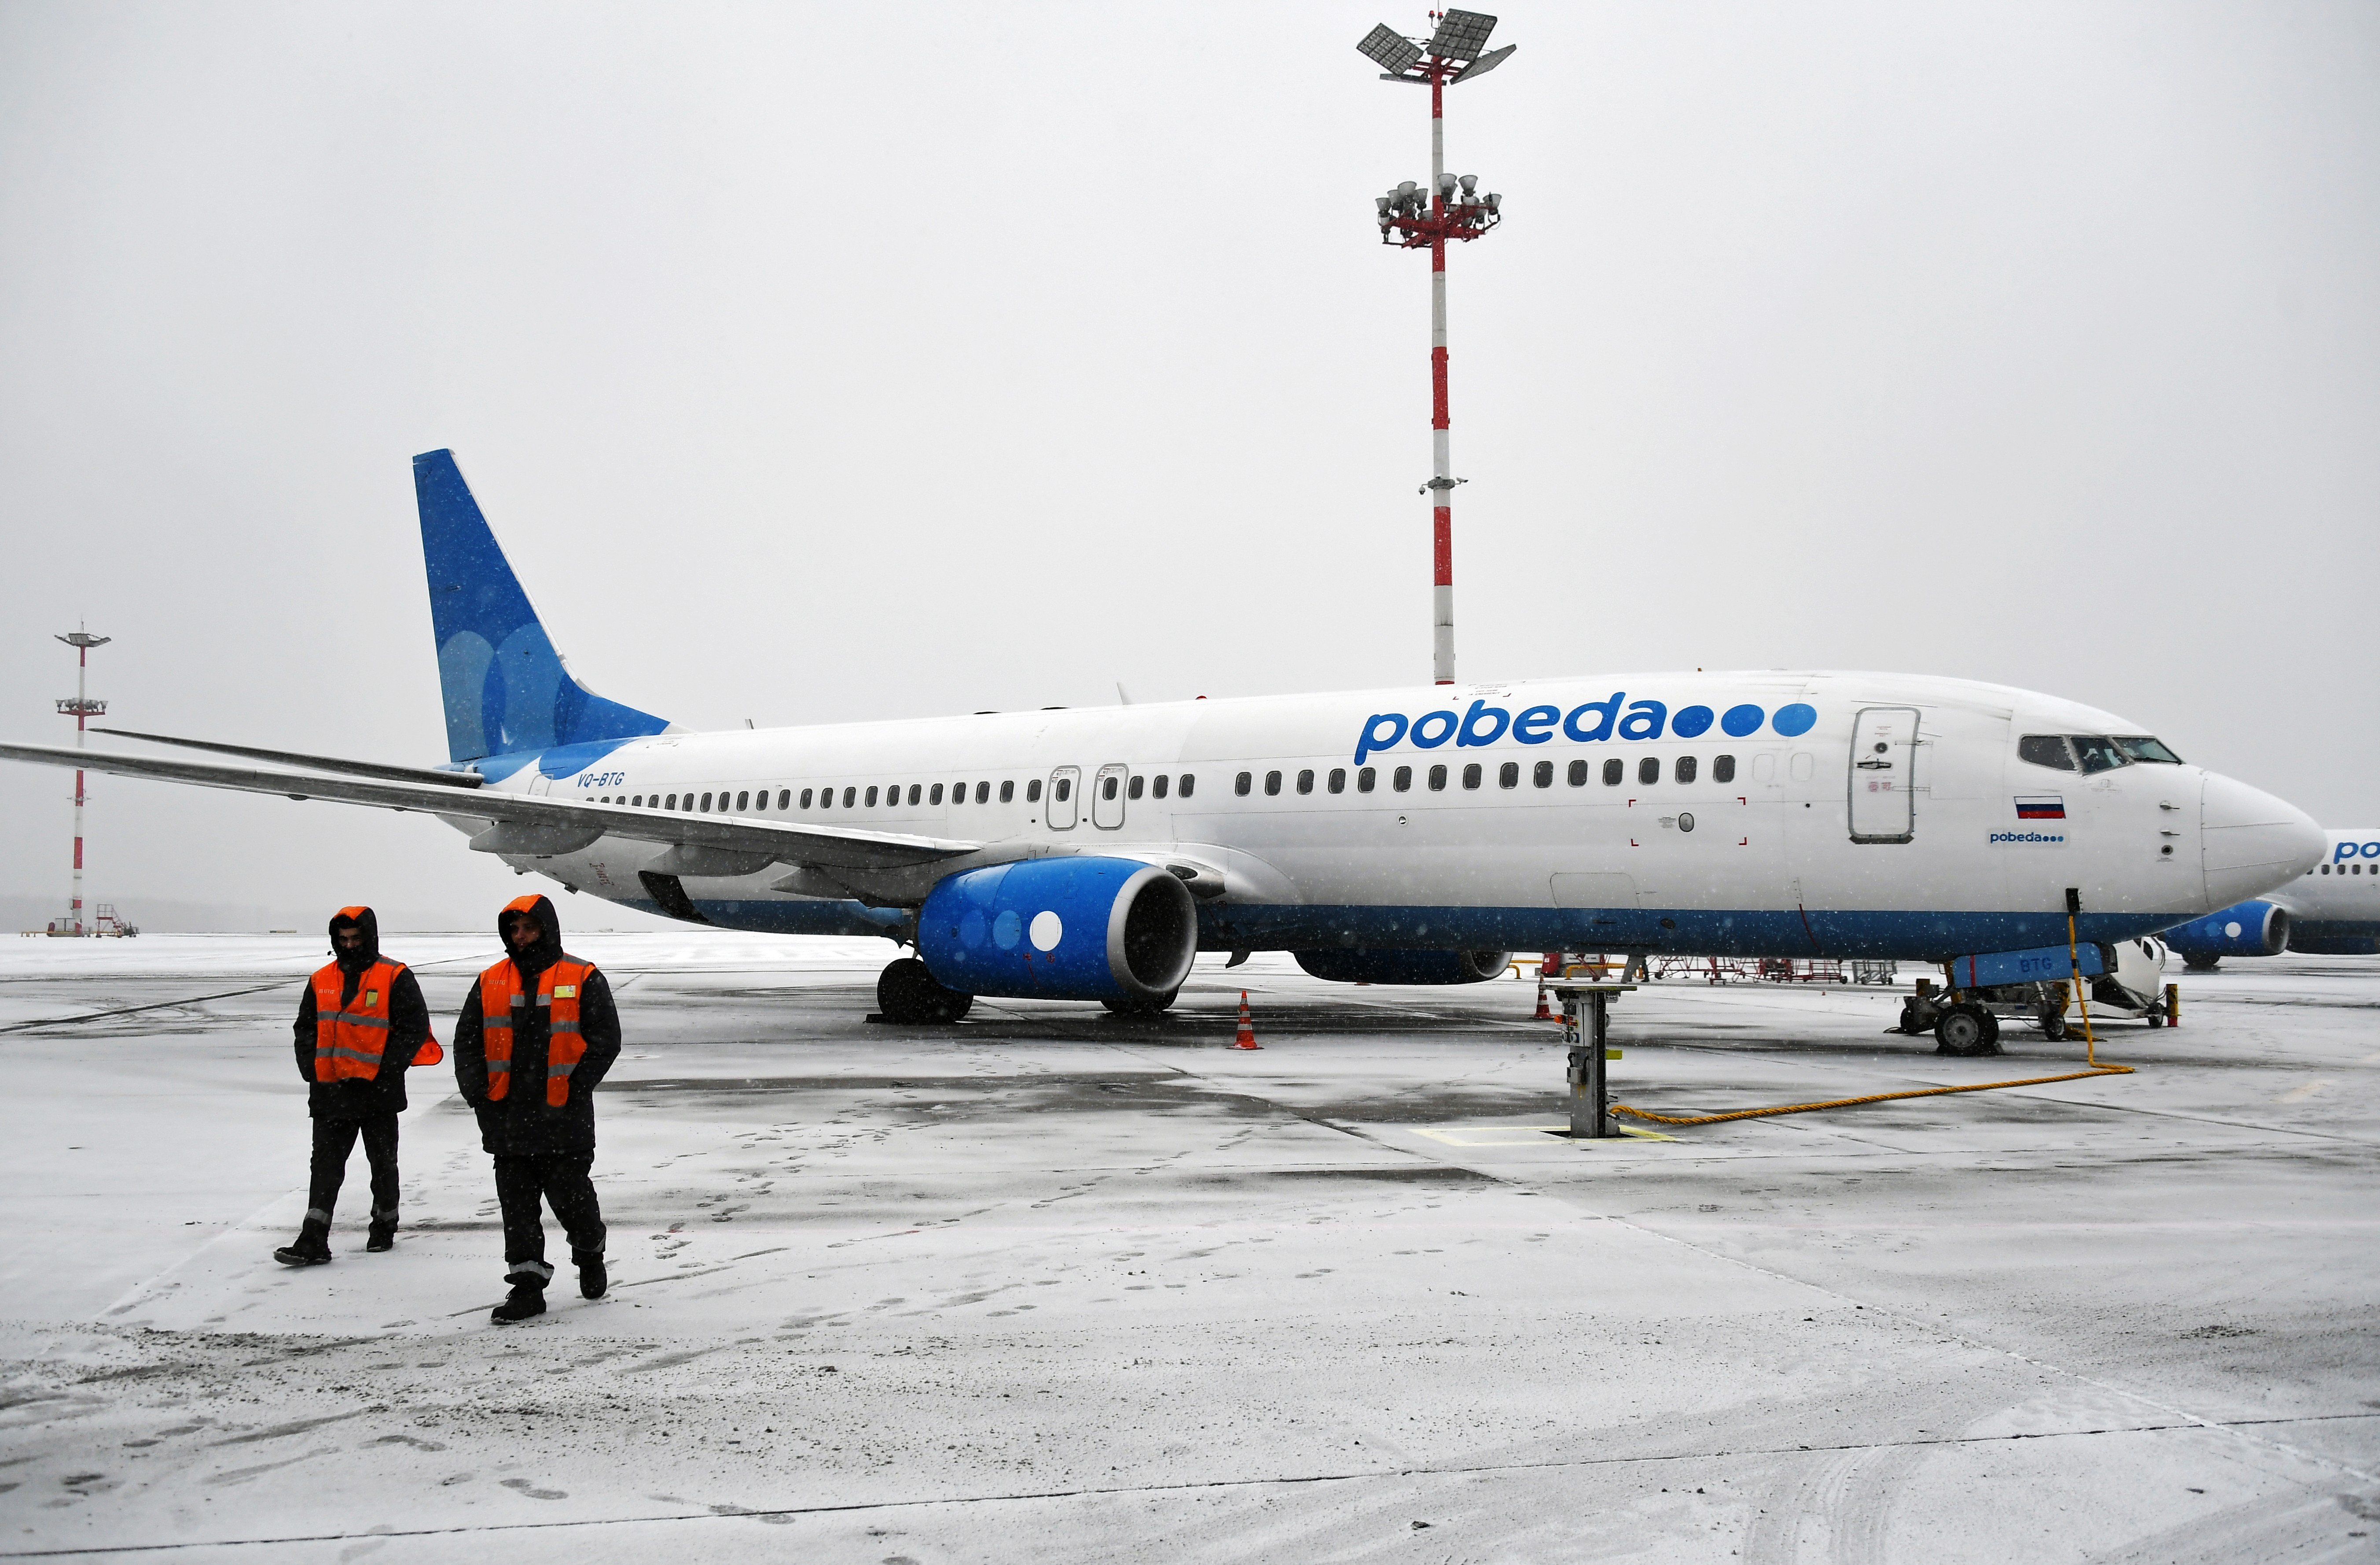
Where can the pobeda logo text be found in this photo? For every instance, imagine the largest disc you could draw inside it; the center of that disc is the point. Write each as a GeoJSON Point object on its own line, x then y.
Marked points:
{"type": "Point", "coordinates": [1587, 723]}
{"type": "Point", "coordinates": [2342, 852]}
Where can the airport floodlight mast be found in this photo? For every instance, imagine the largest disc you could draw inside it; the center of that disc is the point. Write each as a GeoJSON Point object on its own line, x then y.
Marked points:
{"type": "Point", "coordinates": [81, 708]}
{"type": "Point", "coordinates": [1414, 218]}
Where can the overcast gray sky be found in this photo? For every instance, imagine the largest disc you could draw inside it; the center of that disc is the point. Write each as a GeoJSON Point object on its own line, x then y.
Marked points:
{"type": "Point", "coordinates": [823, 363]}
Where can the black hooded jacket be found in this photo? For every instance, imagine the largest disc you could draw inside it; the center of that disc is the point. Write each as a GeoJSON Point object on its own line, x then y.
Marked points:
{"type": "Point", "coordinates": [408, 1025]}
{"type": "Point", "coordinates": [522, 1124]}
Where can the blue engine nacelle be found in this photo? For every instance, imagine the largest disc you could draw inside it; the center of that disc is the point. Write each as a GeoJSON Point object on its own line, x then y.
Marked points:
{"type": "Point", "coordinates": [1060, 929]}
{"type": "Point", "coordinates": [2247, 929]}
{"type": "Point", "coordinates": [1358, 966]}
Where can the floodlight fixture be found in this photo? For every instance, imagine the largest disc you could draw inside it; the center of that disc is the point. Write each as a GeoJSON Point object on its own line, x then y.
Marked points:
{"type": "Point", "coordinates": [1461, 35]}
{"type": "Point", "coordinates": [1484, 64]}
{"type": "Point", "coordinates": [1390, 50]}
{"type": "Point", "coordinates": [1469, 182]}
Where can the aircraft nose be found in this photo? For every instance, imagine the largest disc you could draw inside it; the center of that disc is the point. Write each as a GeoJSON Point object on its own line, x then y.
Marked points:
{"type": "Point", "coordinates": [2252, 841]}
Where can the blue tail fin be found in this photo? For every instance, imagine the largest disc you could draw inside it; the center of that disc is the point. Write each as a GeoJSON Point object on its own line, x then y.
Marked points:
{"type": "Point", "coordinates": [506, 690]}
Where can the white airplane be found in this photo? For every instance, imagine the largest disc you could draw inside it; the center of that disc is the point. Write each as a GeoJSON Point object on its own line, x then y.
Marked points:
{"type": "Point", "coordinates": [1410, 835]}
{"type": "Point", "coordinates": [2333, 910]}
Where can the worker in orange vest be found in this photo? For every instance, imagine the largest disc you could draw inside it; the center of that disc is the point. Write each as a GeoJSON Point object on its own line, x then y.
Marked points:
{"type": "Point", "coordinates": [537, 1034]}
{"type": "Point", "coordinates": [361, 1024]}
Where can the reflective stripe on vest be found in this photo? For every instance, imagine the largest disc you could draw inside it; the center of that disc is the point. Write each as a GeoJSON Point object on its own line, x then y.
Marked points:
{"type": "Point", "coordinates": [348, 1036]}
{"type": "Point", "coordinates": [558, 991]}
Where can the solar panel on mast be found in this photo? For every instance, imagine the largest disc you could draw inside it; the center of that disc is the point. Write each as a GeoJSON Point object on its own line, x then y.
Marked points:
{"type": "Point", "coordinates": [1461, 35]}
{"type": "Point", "coordinates": [1390, 50]}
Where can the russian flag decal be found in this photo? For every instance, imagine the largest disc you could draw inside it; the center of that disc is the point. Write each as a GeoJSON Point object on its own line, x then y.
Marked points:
{"type": "Point", "coordinates": [2041, 807]}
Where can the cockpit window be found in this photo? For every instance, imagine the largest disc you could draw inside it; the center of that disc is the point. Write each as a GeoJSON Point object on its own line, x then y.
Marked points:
{"type": "Point", "coordinates": [2140, 746]}
{"type": "Point", "coordinates": [2098, 753]}
{"type": "Point", "coordinates": [2045, 750]}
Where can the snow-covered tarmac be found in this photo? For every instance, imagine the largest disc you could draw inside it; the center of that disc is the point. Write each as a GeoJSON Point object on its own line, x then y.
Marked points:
{"type": "Point", "coordinates": [1057, 1286]}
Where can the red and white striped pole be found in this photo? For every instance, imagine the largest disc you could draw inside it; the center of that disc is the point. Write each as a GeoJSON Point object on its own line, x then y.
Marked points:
{"type": "Point", "coordinates": [84, 708]}
{"type": "Point", "coordinates": [1441, 483]}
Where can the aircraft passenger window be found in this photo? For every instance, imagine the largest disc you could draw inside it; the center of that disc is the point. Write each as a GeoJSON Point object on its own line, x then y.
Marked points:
{"type": "Point", "coordinates": [806, 799]}
{"type": "Point", "coordinates": [785, 798]}
{"type": "Point", "coordinates": [1065, 789]}
{"type": "Point", "coordinates": [983, 793]}
{"type": "Point", "coordinates": [1367, 779]}
{"type": "Point", "coordinates": [637, 803]}
{"type": "Point", "coordinates": [2098, 754]}
{"type": "Point", "coordinates": [1648, 770]}
{"type": "Point", "coordinates": [1509, 774]}
{"type": "Point", "coordinates": [1613, 771]}
{"type": "Point", "coordinates": [916, 791]}
{"type": "Point", "coordinates": [850, 795]}
{"type": "Point", "coordinates": [1438, 779]}
{"type": "Point", "coordinates": [1189, 784]}
{"type": "Point", "coordinates": [1723, 768]}
{"type": "Point", "coordinates": [1158, 787]}
{"type": "Point", "coordinates": [1402, 779]}
{"type": "Point", "coordinates": [871, 799]}
{"type": "Point", "coordinates": [1008, 791]}
{"type": "Point", "coordinates": [1471, 775]}
{"type": "Point", "coordinates": [2140, 746]}
{"type": "Point", "coordinates": [1578, 774]}
{"type": "Point", "coordinates": [705, 805]}
{"type": "Point", "coordinates": [743, 801]}
{"type": "Point", "coordinates": [689, 802]}
{"type": "Point", "coordinates": [1543, 774]}
{"type": "Point", "coordinates": [1687, 768]}
{"type": "Point", "coordinates": [1273, 784]}
{"type": "Point", "coordinates": [2325, 869]}
{"type": "Point", "coordinates": [1131, 790]}
{"type": "Point", "coordinates": [1033, 792]}
{"type": "Point", "coordinates": [1338, 782]}
{"type": "Point", "coordinates": [1107, 787]}
{"type": "Point", "coordinates": [1305, 781]}
{"type": "Point", "coordinates": [1240, 784]}
{"type": "Point", "coordinates": [934, 794]}
{"type": "Point", "coordinates": [2045, 750]}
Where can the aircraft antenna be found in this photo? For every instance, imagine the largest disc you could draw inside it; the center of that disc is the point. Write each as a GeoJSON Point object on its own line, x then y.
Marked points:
{"type": "Point", "coordinates": [1411, 218]}
{"type": "Point", "coordinates": [81, 707]}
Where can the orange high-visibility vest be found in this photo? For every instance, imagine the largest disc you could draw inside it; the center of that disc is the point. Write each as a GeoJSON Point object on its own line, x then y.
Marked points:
{"type": "Point", "coordinates": [501, 1000]}
{"type": "Point", "coordinates": [348, 1038]}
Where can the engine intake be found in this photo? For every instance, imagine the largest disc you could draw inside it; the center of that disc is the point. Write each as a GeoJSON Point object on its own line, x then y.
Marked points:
{"type": "Point", "coordinates": [1361, 966]}
{"type": "Point", "coordinates": [1060, 929]}
{"type": "Point", "coordinates": [2245, 929]}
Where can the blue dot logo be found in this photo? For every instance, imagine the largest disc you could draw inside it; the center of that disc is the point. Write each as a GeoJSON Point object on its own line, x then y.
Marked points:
{"type": "Point", "coordinates": [1795, 720]}
{"type": "Point", "coordinates": [1691, 722]}
{"type": "Point", "coordinates": [1741, 720]}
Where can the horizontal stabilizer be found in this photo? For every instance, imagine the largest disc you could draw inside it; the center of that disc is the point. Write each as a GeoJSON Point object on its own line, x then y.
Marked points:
{"type": "Point", "coordinates": [557, 820]}
{"type": "Point", "coordinates": [319, 762]}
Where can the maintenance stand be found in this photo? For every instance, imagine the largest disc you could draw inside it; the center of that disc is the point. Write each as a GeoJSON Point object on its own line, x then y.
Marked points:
{"type": "Point", "coordinates": [1586, 1027]}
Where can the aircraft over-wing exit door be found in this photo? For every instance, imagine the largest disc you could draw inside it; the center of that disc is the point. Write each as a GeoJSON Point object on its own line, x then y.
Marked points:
{"type": "Point", "coordinates": [1107, 795]}
{"type": "Point", "coordinates": [1061, 810]}
{"type": "Point", "coordinates": [1884, 754]}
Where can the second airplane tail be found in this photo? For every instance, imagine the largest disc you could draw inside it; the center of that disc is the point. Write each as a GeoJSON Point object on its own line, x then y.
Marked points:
{"type": "Point", "coordinates": [506, 690]}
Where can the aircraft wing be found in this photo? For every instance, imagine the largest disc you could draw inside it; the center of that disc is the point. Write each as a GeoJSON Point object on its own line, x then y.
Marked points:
{"type": "Point", "coordinates": [789, 842]}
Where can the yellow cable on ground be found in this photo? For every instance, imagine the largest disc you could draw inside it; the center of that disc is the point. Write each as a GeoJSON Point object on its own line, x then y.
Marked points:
{"type": "Point", "coordinates": [1856, 1101]}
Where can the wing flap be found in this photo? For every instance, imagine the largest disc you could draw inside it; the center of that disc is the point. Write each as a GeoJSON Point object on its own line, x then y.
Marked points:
{"type": "Point", "coordinates": [784, 841]}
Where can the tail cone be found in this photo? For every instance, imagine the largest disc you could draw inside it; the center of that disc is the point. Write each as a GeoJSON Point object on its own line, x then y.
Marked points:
{"type": "Point", "coordinates": [1247, 1038]}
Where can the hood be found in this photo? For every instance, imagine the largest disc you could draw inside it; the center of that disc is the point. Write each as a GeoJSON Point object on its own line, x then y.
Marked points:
{"type": "Point", "coordinates": [358, 918]}
{"type": "Point", "coordinates": [548, 950]}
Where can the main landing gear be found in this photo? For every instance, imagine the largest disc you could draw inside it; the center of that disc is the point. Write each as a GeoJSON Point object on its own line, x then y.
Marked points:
{"type": "Point", "coordinates": [909, 994]}
{"type": "Point", "coordinates": [1133, 1004]}
{"type": "Point", "coordinates": [1967, 1029]}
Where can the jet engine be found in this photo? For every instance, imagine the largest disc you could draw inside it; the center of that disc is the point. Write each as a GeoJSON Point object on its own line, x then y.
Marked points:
{"type": "Point", "coordinates": [1060, 929]}
{"type": "Point", "coordinates": [2245, 929]}
{"type": "Point", "coordinates": [1360, 966]}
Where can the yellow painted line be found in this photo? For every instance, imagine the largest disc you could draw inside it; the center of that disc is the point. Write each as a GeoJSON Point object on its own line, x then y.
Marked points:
{"type": "Point", "coordinates": [1516, 1136]}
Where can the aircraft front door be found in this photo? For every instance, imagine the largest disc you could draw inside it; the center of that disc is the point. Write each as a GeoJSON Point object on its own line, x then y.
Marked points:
{"type": "Point", "coordinates": [1107, 795]}
{"type": "Point", "coordinates": [1884, 754]}
{"type": "Point", "coordinates": [1063, 806]}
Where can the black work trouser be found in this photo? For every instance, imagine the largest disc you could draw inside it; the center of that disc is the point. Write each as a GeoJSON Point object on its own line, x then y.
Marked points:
{"type": "Point", "coordinates": [333, 1140]}
{"type": "Point", "coordinates": [561, 1180]}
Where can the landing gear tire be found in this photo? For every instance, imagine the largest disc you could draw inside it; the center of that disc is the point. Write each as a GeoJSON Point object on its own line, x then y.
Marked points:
{"type": "Point", "coordinates": [1967, 1029]}
{"type": "Point", "coordinates": [1913, 1020]}
{"type": "Point", "coordinates": [2053, 1026]}
{"type": "Point", "coordinates": [1135, 1005]}
{"type": "Point", "coordinates": [907, 993]}
{"type": "Point", "coordinates": [2200, 964]}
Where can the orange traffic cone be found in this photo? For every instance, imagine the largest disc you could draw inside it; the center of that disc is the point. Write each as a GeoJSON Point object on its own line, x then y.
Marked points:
{"type": "Point", "coordinates": [1544, 1013]}
{"type": "Point", "coordinates": [1247, 1038]}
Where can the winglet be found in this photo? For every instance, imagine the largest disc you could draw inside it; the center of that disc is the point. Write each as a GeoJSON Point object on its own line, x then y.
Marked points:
{"type": "Point", "coordinates": [507, 690]}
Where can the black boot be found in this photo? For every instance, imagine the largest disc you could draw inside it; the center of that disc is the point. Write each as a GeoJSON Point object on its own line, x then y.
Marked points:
{"type": "Point", "coordinates": [310, 1248]}
{"type": "Point", "coordinates": [382, 1237]}
{"type": "Point", "coordinates": [592, 1278]}
{"type": "Point", "coordinates": [525, 1301]}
